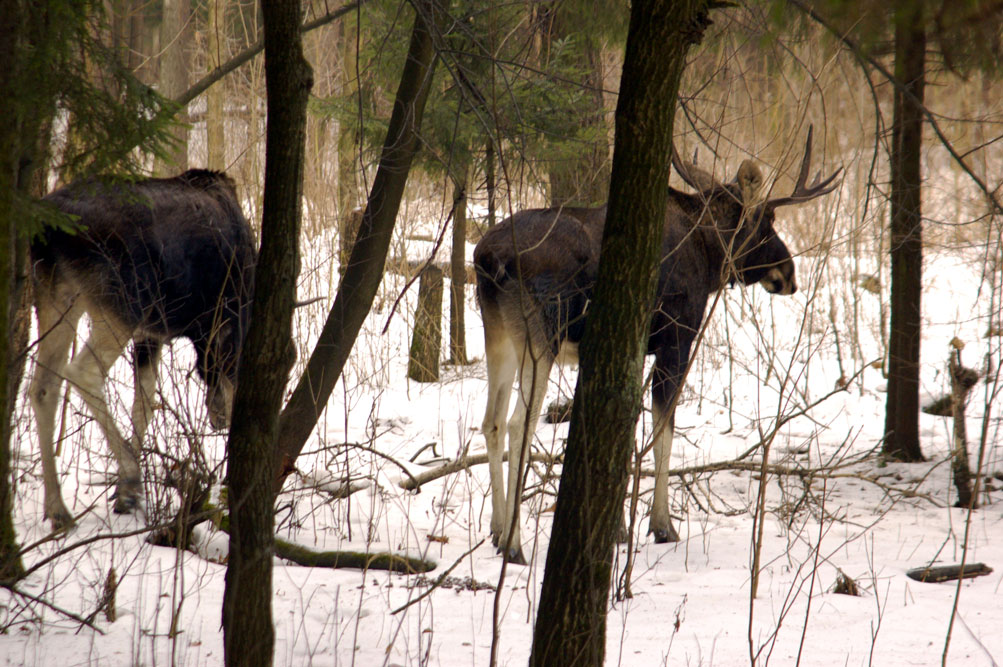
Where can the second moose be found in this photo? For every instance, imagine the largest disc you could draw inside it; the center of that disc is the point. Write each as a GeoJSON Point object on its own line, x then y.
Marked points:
{"type": "Point", "coordinates": [535, 275]}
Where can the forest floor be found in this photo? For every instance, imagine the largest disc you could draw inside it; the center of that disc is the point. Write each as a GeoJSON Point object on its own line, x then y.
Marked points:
{"type": "Point", "coordinates": [687, 603]}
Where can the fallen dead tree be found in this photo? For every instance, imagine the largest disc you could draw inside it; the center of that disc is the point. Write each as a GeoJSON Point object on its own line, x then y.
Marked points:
{"type": "Point", "coordinates": [358, 560]}
{"type": "Point", "coordinates": [942, 573]}
{"type": "Point", "coordinates": [740, 464]}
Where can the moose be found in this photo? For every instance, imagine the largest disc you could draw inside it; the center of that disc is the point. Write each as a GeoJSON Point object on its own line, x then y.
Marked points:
{"type": "Point", "coordinates": [535, 274]}
{"type": "Point", "coordinates": [147, 261]}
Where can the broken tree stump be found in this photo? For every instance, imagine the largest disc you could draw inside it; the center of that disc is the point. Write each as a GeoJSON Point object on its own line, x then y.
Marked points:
{"type": "Point", "coordinates": [426, 339]}
{"type": "Point", "coordinates": [962, 381]}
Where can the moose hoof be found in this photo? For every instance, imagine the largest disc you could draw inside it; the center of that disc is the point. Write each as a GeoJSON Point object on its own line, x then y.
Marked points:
{"type": "Point", "coordinates": [126, 496]}
{"type": "Point", "coordinates": [664, 535]}
{"type": "Point", "coordinates": [622, 534]}
{"type": "Point", "coordinates": [60, 519]}
{"type": "Point", "coordinates": [515, 556]}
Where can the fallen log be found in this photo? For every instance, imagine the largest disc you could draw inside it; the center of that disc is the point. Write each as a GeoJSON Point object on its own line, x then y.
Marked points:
{"type": "Point", "coordinates": [942, 573]}
{"type": "Point", "coordinates": [351, 559]}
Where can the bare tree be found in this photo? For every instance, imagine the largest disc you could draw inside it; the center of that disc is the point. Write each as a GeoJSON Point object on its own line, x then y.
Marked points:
{"type": "Point", "coordinates": [176, 37]}
{"type": "Point", "coordinates": [268, 353]}
{"type": "Point", "coordinates": [571, 621]}
{"type": "Point", "coordinates": [902, 405]}
{"type": "Point", "coordinates": [365, 266]}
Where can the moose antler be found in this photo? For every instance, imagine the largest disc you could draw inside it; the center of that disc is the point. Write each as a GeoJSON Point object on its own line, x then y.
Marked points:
{"type": "Point", "coordinates": [692, 175]}
{"type": "Point", "coordinates": [816, 189]}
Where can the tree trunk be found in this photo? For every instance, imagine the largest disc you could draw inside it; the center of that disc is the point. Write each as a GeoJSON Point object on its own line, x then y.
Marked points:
{"type": "Point", "coordinates": [215, 114]}
{"type": "Point", "coordinates": [11, 567]}
{"type": "Point", "coordinates": [26, 86]}
{"type": "Point", "coordinates": [426, 338]}
{"type": "Point", "coordinates": [348, 152]}
{"type": "Point", "coordinates": [458, 271]}
{"type": "Point", "coordinates": [489, 179]}
{"type": "Point", "coordinates": [176, 37]}
{"type": "Point", "coordinates": [571, 621]}
{"type": "Point", "coordinates": [369, 253]}
{"type": "Point", "coordinates": [902, 406]}
{"type": "Point", "coordinates": [268, 354]}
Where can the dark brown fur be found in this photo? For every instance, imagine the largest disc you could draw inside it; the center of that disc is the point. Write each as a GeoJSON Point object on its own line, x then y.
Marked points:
{"type": "Point", "coordinates": [535, 275]}
{"type": "Point", "coordinates": [150, 261]}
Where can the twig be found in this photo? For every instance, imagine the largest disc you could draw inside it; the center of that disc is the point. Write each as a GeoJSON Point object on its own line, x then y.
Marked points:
{"type": "Point", "coordinates": [904, 90]}
{"type": "Point", "coordinates": [250, 52]}
{"type": "Point", "coordinates": [439, 580]}
{"type": "Point", "coordinates": [463, 463]}
{"type": "Point", "coordinates": [59, 610]}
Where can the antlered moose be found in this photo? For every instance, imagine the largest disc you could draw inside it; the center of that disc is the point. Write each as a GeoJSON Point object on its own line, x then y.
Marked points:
{"type": "Point", "coordinates": [152, 261]}
{"type": "Point", "coordinates": [535, 275]}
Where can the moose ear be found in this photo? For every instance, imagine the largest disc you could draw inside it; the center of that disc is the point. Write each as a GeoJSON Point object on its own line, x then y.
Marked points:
{"type": "Point", "coordinates": [750, 182]}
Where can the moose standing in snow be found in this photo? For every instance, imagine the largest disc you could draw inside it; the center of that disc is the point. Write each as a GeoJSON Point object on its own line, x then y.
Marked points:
{"type": "Point", "coordinates": [535, 275]}
{"type": "Point", "coordinates": [151, 261]}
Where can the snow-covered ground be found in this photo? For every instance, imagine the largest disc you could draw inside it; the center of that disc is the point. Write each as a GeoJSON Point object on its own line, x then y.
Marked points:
{"type": "Point", "coordinates": [689, 603]}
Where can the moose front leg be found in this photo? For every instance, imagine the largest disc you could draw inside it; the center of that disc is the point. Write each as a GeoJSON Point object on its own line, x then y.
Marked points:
{"type": "Point", "coordinates": [664, 387]}
{"type": "Point", "coordinates": [87, 373]}
{"type": "Point", "coordinates": [661, 522]}
{"type": "Point", "coordinates": [146, 358]}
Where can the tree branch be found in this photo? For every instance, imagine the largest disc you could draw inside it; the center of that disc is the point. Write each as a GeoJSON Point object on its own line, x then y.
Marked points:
{"type": "Point", "coordinates": [250, 52]}
{"type": "Point", "coordinates": [856, 49]}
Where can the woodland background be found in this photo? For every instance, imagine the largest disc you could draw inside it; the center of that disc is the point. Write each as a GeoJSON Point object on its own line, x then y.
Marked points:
{"type": "Point", "coordinates": [519, 114]}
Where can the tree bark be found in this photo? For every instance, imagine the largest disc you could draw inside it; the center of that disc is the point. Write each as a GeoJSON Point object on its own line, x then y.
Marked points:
{"type": "Point", "coordinates": [11, 567]}
{"type": "Point", "coordinates": [426, 338]}
{"type": "Point", "coordinates": [902, 405]}
{"type": "Point", "coordinates": [348, 150]}
{"type": "Point", "coordinates": [176, 38]}
{"type": "Point", "coordinates": [28, 85]}
{"type": "Point", "coordinates": [458, 270]}
{"type": "Point", "coordinates": [268, 353]}
{"type": "Point", "coordinates": [489, 178]}
{"type": "Point", "coordinates": [571, 621]}
{"type": "Point", "coordinates": [214, 128]}
{"type": "Point", "coordinates": [369, 252]}
{"type": "Point", "coordinates": [962, 381]}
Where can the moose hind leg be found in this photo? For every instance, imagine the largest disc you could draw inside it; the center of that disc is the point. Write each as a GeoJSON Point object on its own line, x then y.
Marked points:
{"type": "Point", "coordinates": [501, 363]}
{"type": "Point", "coordinates": [87, 372]}
{"type": "Point", "coordinates": [56, 330]}
{"type": "Point", "coordinates": [533, 376]}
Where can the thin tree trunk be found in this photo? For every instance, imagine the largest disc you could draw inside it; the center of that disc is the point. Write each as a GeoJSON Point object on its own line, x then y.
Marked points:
{"type": "Point", "coordinates": [268, 353]}
{"type": "Point", "coordinates": [176, 36]}
{"type": "Point", "coordinates": [348, 150]}
{"type": "Point", "coordinates": [489, 179]}
{"type": "Point", "coordinates": [458, 271]}
{"type": "Point", "coordinates": [902, 405]}
{"type": "Point", "coordinates": [369, 253]}
{"type": "Point", "coordinates": [214, 117]}
{"type": "Point", "coordinates": [571, 621]}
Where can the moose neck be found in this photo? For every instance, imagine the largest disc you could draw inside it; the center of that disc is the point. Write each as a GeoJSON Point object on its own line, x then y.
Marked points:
{"type": "Point", "coordinates": [720, 232]}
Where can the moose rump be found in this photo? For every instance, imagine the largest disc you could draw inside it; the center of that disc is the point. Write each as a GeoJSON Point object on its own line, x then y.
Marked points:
{"type": "Point", "coordinates": [150, 261]}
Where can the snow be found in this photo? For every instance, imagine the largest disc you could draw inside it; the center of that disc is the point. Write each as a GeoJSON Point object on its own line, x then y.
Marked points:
{"type": "Point", "coordinates": [690, 604]}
